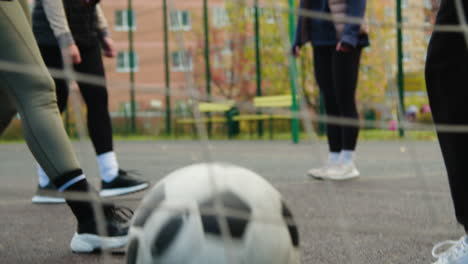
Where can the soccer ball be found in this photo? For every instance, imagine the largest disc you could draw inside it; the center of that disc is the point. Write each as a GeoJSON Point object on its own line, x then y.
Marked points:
{"type": "Point", "coordinates": [179, 221]}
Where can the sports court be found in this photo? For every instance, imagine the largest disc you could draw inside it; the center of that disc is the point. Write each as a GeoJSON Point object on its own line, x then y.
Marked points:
{"type": "Point", "coordinates": [392, 214]}
{"type": "Point", "coordinates": [199, 81]}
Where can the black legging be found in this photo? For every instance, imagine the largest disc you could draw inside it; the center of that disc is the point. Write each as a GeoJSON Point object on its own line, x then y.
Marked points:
{"type": "Point", "coordinates": [447, 87]}
{"type": "Point", "coordinates": [95, 96]}
{"type": "Point", "coordinates": [337, 75]}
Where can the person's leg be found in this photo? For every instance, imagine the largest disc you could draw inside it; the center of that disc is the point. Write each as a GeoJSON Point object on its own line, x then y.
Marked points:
{"type": "Point", "coordinates": [447, 80]}
{"type": "Point", "coordinates": [7, 110]}
{"type": "Point", "coordinates": [26, 9]}
{"type": "Point", "coordinates": [99, 125]}
{"type": "Point", "coordinates": [30, 87]}
{"type": "Point", "coordinates": [33, 94]}
{"type": "Point", "coordinates": [447, 87]}
{"type": "Point", "coordinates": [114, 180]}
{"type": "Point", "coordinates": [345, 74]}
{"type": "Point", "coordinates": [96, 99]}
{"type": "Point", "coordinates": [324, 75]}
{"type": "Point", "coordinates": [53, 59]}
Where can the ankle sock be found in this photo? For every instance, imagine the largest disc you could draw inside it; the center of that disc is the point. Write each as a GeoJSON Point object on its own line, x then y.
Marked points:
{"type": "Point", "coordinates": [108, 166]}
{"type": "Point", "coordinates": [43, 178]}
{"type": "Point", "coordinates": [333, 157]}
{"type": "Point", "coordinates": [347, 156]}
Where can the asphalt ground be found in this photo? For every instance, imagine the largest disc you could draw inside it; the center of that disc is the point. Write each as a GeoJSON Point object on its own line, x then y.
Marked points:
{"type": "Point", "coordinates": [394, 213]}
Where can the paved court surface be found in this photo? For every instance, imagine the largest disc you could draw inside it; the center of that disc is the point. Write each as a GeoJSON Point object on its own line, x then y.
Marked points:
{"type": "Point", "coordinates": [393, 214]}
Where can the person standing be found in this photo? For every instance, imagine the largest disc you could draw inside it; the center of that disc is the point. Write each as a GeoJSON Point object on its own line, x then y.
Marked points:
{"type": "Point", "coordinates": [447, 80]}
{"type": "Point", "coordinates": [78, 29]}
{"type": "Point", "coordinates": [337, 48]}
{"type": "Point", "coordinates": [27, 88]}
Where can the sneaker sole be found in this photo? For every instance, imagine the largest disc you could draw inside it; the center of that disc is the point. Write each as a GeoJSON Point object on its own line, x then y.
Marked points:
{"type": "Point", "coordinates": [37, 199]}
{"type": "Point", "coordinates": [350, 176]}
{"type": "Point", "coordinates": [88, 243]}
{"type": "Point", "coordinates": [122, 191]}
{"type": "Point", "coordinates": [315, 176]}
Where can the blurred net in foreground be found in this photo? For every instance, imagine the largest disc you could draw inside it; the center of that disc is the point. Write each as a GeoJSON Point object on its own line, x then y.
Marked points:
{"type": "Point", "coordinates": [234, 82]}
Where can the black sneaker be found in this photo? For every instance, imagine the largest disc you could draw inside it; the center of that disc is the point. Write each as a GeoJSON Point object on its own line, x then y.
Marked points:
{"type": "Point", "coordinates": [122, 184]}
{"type": "Point", "coordinates": [47, 195]}
{"type": "Point", "coordinates": [116, 221]}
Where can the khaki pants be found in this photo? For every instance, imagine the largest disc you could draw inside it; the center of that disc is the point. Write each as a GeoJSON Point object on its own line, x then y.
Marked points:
{"type": "Point", "coordinates": [27, 87]}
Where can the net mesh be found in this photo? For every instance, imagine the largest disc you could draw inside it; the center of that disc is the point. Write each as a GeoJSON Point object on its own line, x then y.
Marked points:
{"type": "Point", "coordinates": [328, 215]}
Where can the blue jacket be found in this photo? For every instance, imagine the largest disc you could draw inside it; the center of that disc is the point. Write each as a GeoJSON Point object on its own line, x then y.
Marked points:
{"type": "Point", "coordinates": [323, 33]}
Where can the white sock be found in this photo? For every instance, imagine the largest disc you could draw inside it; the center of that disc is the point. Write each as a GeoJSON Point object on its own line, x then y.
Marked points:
{"type": "Point", "coordinates": [333, 157]}
{"type": "Point", "coordinates": [108, 166]}
{"type": "Point", "coordinates": [347, 156]}
{"type": "Point", "coordinates": [43, 178]}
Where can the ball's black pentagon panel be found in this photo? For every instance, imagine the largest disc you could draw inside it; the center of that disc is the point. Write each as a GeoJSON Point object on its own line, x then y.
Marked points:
{"type": "Point", "coordinates": [155, 198]}
{"type": "Point", "coordinates": [230, 200]}
{"type": "Point", "coordinates": [236, 225]}
{"type": "Point", "coordinates": [292, 227]}
{"type": "Point", "coordinates": [167, 235]}
{"type": "Point", "coordinates": [132, 253]}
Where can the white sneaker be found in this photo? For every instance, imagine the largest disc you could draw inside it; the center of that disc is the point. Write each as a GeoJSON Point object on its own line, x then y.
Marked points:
{"type": "Point", "coordinates": [457, 253]}
{"type": "Point", "coordinates": [89, 243]}
{"type": "Point", "coordinates": [346, 171]}
{"type": "Point", "coordinates": [320, 173]}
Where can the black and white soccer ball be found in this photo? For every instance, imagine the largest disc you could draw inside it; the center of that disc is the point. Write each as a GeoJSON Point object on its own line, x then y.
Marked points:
{"type": "Point", "coordinates": [178, 221]}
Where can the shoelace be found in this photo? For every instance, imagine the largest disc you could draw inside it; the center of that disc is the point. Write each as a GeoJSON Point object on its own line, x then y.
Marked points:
{"type": "Point", "coordinates": [120, 214]}
{"type": "Point", "coordinates": [453, 252]}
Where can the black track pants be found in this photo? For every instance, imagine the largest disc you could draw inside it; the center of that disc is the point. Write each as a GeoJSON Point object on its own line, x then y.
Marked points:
{"type": "Point", "coordinates": [337, 75]}
{"type": "Point", "coordinates": [447, 86]}
{"type": "Point", "coordinates": [95, 96]}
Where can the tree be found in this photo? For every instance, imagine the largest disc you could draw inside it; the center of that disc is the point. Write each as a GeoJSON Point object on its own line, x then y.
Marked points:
{"type": "Point", "coordinates": [230, 37]}
{"type": "Point", "coordinates": [233, 55]}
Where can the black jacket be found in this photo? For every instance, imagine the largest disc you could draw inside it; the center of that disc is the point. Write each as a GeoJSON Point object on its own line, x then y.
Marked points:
{"type": "Point", "coordinates": [82, 20]}
{"type": "Point", "coordinates": [322, 32]}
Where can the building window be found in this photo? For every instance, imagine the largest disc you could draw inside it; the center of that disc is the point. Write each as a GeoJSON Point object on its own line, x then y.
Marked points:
{"type": "Point", "coordinates": [406, 38]}
{"type": "Point", "coordinates": [406, 57]}
{"type": "Point", "coordinates": [404, 4]}
{"type": "Point", "coordinates": [122, 21]}
{"type": "Point", "coordinates": [220, 16]}
{"type": "Point", "coordinates": [428, 4]}
{"type": "Point", "coordinates": [388, 11]}
{"type": "Point", "coordinates": [223, 58]}
{"type": "Point", "coordinates": [180, 20]}
{"type": "Point", "coordinates": [126, 107]}
{"type": "Point", "coordinates": [181, 61]}
{"type": "Point", "coordinates": [126, 61]}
